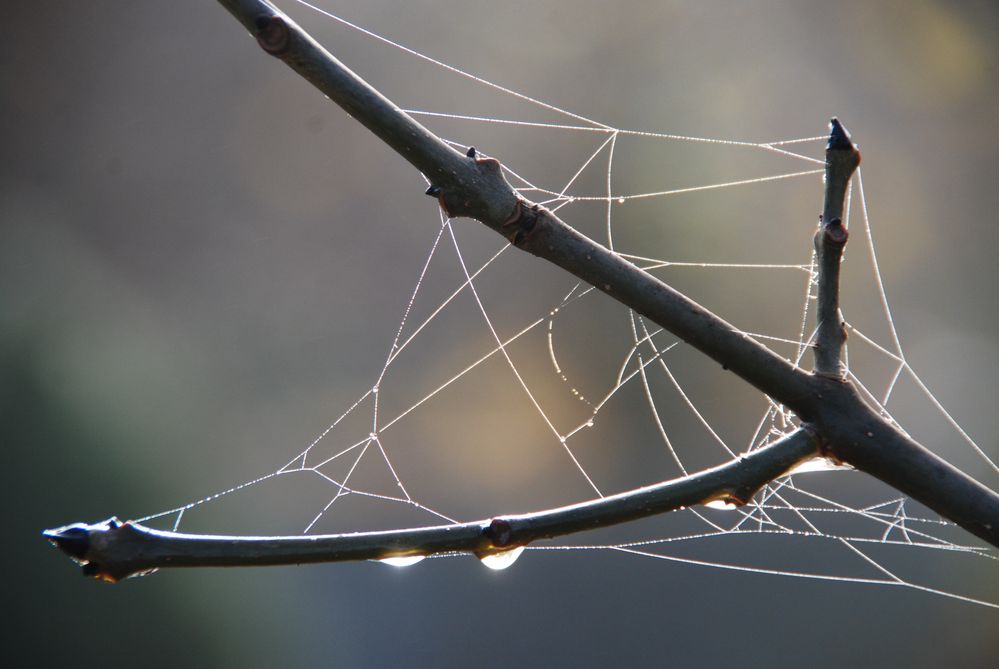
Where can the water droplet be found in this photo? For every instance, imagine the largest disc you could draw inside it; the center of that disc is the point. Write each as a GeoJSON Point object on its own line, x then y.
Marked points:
{"type": "Point", "coordinates": [375, 390]}
{"type": "Point", "coordinates": [620, 200]}
{"type": "Point", "coordinates": [819, 464]}
{"type": "Point", "coordinates": [403, 561]}
{"type": "Point", "coordinates": [722, 504]}
{"type": "Point", "coordinates": [373, 436]}
{"type": "Point", "coordinates": [589, 423]}
{"type": "Point", "coordinates": [502, 559]}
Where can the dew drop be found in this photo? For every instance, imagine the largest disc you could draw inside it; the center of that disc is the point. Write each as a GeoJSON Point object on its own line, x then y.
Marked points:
{"type": "Point", "coordinates": [819, 464]}
{"type": "Point", "coordinates": [403, 561]}
{"type": "Point", "coordinates": [373, 436]}
{"type": "Point", "coordinates": [503, 559]}
{"type": "Point", "coordinates": [375, 390]}
{"type": "Point", "coordinates": [620, 200]}
{"type": "Point", "coordinates": [722, 505]}
{"type": "Point", "coordinates": [589, 423]}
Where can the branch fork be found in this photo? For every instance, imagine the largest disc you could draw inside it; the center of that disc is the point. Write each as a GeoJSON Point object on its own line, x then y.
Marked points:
{"type": "Point", "coordinates": [836, 422]}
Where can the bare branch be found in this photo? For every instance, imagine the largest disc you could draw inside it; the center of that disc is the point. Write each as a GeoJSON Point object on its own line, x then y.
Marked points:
{"type": "Point", "coordinates": [467, 185]}
{"type": "Point", "coordinates": [475, 187]}
{"type": "Point", "coordinates": [112, 550]}
{"type": "Point", "coordinates": [842, 158]}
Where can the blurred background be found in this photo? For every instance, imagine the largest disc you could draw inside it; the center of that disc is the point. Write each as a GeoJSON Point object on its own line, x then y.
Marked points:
{"type": "Point", "coordinates": [203, 263]}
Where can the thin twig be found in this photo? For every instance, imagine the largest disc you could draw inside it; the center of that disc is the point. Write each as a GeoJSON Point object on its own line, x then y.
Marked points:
{"type": "Point", "coordinates": [112, 550]}
{"type": "Point", "coordinates": [842, 158]}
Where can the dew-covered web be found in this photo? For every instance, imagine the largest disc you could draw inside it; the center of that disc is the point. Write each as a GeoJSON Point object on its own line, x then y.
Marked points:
{"type": "Point", "coordinates": [507, 387]}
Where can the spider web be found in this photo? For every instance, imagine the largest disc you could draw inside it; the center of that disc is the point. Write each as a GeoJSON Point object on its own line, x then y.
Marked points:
{"type": "Point", "coordinates": [509, 387]}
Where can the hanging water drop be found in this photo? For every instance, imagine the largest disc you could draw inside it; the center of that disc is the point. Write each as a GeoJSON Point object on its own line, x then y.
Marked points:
{"type": "Point", "coordinates": [589, 423]}
{"type": "Point", "coordinates": [502, 559]}
{"type": "Point", "coordinates": [620, 200]}
{"type": "Point", "coordinates": [819, 464]}
{"type": "Point", "coordinates": [403, 561]}
{"type": "Point", "coordinates": [723, 504]}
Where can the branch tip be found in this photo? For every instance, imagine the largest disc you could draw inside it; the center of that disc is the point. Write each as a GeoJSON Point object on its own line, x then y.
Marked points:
{"type": "Point", "coordinates": [73, 540]}
{"type": "Point", "coordinates": [84, 544]}
{"type": "Point", "coordinates": [839, 138]}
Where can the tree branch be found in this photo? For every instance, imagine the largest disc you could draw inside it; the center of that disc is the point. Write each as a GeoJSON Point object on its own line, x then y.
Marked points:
{"type": "Point", "coordinates": [112, 550]}
{"type": "Point", "coordinates": [844, 426]}
{"type": "Point", "coordinates": [474, 187]}
{"type": "Point", "coordinates": [842, 158]}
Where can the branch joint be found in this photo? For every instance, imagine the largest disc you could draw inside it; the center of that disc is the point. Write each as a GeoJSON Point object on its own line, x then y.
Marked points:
{"type": "Point", "coordinates": [521, 223]}
{"type": "Point", "coordinates": [273, 34]}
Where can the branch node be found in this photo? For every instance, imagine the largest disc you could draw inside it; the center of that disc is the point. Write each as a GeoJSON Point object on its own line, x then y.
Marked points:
{"type": "Point", "coordinates": [835, 232]}
{"type": "Point", "coordinates": [438, 192]}
{"type": "Point", "coordinates": [468, 195]}
{"type": "Point", "coordinates": [499, 532]}
{"type": "Point", "coordinates": [273, 35]}
{"type": "Point", "coordinates": [521, 223]}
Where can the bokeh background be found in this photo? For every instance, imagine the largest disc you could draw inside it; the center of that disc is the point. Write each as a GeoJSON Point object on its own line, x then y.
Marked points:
{"type": "Point", "coordinates": [202, 263]}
